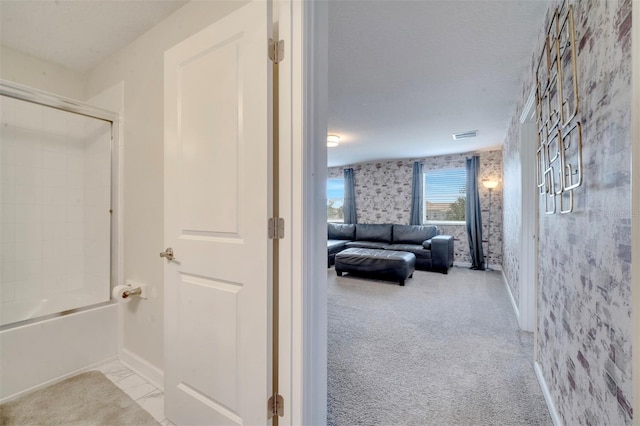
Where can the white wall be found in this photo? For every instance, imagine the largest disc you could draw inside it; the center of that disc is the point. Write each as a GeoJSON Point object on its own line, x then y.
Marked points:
{"type": "Point", "coordinates": [140, 66]}
{"type": "Point", "coordinates": [24, 69]}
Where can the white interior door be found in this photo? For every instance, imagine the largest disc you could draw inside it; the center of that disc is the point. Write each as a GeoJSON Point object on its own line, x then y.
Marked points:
{"type": "Point", "coordinates": [218, 192]}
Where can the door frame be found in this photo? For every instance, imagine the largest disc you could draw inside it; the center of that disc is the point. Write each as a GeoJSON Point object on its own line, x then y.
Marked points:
{"type": "Point", "coordinates": [527, 306]}
{"type": "Point", "coordinates": [302, 326]}
{"type": "Point", "coordinates": [302, 164]}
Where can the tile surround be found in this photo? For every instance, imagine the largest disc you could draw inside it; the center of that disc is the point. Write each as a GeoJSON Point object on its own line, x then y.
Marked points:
{"type": "Point", "coordinates": [383, 195]}
{"type": "Point", "coordinates": [54, 211]}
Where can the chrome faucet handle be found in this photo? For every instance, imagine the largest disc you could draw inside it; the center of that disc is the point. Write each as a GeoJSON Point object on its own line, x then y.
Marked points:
{"type": "Point", "coordinates": [168, 253]}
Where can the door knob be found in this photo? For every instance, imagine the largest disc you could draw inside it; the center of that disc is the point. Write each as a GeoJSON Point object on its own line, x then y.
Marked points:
{"type": "Point", "coordinates": [168, 253]}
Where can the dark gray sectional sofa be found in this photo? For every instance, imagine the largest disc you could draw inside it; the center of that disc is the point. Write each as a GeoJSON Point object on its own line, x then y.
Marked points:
{"type": "Point", "coordinates": [433, 252]}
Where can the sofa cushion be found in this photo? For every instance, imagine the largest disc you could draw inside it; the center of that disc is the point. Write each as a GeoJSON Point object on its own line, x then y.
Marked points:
{"type": "Point", "coordinates": [367, 244]}
{"type": "Point", "coordinates": [413, 234]}
{"type": "Point", "coordinates": [417, 249]}
{"type": "Point", "coordinates": [336, 244]}
{"type": "Point", "coordinates": [342, 231]}
{"type": "Point", "coordinates": [374, 232]}
{"type": "Point", "coordinates": [427, 244]}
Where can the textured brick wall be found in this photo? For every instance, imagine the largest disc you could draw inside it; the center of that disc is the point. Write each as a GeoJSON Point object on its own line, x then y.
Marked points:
{"type": "Point", "coordinates": [584, 297]}
{"type": "Point", "coordinates": [383, 195]}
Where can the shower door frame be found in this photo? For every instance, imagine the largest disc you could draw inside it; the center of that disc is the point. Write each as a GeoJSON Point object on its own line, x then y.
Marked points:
{"type": "Point", "coordinates": [41, 97]}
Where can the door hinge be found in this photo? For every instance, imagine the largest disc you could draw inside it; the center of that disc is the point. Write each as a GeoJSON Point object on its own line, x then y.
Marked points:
{"type": "Point", "coordinates": [275, 405]}
{"type": "Point", "coordinates": [276, 228]}
{"type": "Point", "coordinates": [276, 50]}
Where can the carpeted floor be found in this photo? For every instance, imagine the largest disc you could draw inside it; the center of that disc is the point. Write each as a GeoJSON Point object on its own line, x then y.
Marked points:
{"type": "Point", "coordinates": [443, 350]}
{"type": "Point", "coordinates": [88, 399]}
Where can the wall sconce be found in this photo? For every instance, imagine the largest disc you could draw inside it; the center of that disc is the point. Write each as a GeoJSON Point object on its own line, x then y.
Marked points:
{"type": "Point", "coordinates": [333, 141]}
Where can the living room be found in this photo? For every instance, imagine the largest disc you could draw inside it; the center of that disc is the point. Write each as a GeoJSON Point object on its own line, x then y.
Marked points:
{"type": "Point", "coordinates": [548, 266]}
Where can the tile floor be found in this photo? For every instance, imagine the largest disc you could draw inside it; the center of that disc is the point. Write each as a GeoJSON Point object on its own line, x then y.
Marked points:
{"type": "Point", "coordinates": [144, 393]}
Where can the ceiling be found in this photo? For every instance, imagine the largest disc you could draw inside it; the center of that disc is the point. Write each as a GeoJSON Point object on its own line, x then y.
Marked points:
{"type": "Point", "coordinates": [403, 75]}
{"type": "Point", "coordinates": [78, 34]}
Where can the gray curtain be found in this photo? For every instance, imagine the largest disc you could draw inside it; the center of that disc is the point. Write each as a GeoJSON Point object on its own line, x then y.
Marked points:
{"type": "Point", "coordinates": [416, 195]}
{"type": "Point", "coordinates": [474, 215]}
{"type": "Point", "coordinates": [350, 215]}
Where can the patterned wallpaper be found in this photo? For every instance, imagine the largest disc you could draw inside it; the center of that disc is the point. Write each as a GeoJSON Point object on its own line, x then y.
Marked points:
{"type": "Point", "coordinates": [383, 195]}
{"type": "Point", "coordinates": [512, 206]}
{"type": "Point", "coordinates": [584, 287]}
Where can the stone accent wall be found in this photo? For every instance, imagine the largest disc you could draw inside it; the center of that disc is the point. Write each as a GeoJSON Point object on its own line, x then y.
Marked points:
{"type": "Point", "coordinates": [383, 195]}
{"type": "Point", "coordinates": [584, 286]}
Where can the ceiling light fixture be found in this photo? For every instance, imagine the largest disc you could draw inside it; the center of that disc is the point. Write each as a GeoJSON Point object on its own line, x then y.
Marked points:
{"type": "Point", "coordinates": [464, 135]}
{"type": "Point", "coordinates": [333, 141]}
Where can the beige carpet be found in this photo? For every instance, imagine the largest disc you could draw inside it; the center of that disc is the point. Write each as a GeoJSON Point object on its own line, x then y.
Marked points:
{"type": "Point", "coordinates": [443, 350]}
{"type": "Point", "coordinates": [88, 399]}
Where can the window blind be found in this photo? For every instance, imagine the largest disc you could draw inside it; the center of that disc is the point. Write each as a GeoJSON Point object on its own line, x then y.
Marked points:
{"type": "Point", "coordinates": [445, 194]}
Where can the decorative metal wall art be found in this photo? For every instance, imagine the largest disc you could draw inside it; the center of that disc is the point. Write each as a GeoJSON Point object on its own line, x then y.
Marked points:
{"type": "Point", "coordinates": [559, 155]}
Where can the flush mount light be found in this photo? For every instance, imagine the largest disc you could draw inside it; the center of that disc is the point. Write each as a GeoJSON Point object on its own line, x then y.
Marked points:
{"type": "Point", "coordinates": [464, 135]}
{"type": "Point", "coordinates": [333, 141]}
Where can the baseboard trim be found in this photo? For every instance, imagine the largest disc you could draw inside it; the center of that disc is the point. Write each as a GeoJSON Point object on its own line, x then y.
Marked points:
{"type": "Point", "coordinates": [514, 305]}
{"type": "Point", "coordinates": [468, 265]}
{"type": "Point", "coordinates": [144, 368]}
{"type": "Point", "coordinates": [555, 417]}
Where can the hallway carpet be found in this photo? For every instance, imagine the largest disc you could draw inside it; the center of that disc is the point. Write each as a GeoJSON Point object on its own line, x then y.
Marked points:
{"type": "Point", "coordinates": [442, 350]}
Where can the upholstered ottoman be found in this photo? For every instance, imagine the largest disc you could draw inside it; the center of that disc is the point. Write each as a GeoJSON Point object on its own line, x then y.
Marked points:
{"type": "Point", "coordinates": [394, 265]}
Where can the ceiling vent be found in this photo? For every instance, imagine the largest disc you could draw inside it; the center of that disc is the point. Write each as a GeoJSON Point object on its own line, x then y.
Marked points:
{"type": "Point", "coordinates": [465, 135]}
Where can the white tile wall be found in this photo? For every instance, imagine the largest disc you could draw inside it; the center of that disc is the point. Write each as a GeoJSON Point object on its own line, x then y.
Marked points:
{"type": "Point", "coordinates": [55, 199]}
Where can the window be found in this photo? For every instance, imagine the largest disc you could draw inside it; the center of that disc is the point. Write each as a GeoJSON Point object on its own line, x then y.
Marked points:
{"type": "Point", "coordinates": [445, 195]}
{"type": "Point", "coordinates": [335, 200]}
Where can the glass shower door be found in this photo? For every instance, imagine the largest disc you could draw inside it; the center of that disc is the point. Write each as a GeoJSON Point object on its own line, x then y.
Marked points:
{"type": "Point", "coordinates": [55, 220]}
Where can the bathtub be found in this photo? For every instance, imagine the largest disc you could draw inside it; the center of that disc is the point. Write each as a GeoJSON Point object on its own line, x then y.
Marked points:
{"type": "Point", "coordinates": [45, 351]}
{"type": "Point", "coordinates": [59, 236]}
